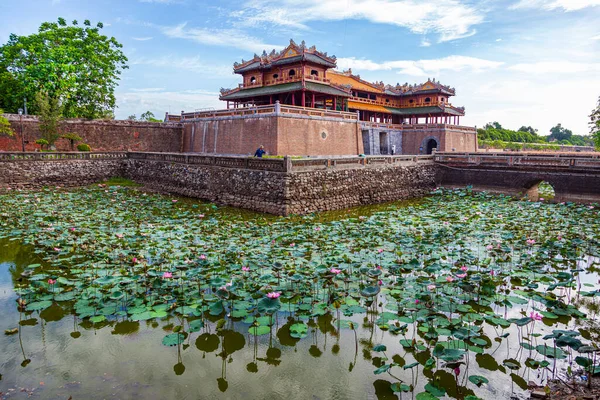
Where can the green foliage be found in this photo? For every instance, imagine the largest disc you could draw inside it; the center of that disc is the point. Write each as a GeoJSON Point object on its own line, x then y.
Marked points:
{"type": "Point", "coordinates": [5, 128]}
{"type": "Point", "coordinates": [559, 133]}
{"type": "Point", "coordinates": [494, 131]}
{"type": "Point", "coordinates": [595, 125]}
{"type": "Point", "coordinates": [77, 65]}
{"type": "Point", "coordinates": [132, 117]}
{"type": "Point", "coordinates": [72, 138]}
{"type": "Point", "coordinates": [83, 147]}
{"type": "Point", "coordinates": [49, 112]}
{"type": "Point", "coordinates": [42, 143]}
{"type": "Point", "coordinates": [147, 116]}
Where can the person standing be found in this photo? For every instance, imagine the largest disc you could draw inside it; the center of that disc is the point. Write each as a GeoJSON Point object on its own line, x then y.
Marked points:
{"type": "Point", "coordinates": [260, 152]}
{"type": "Point", "coordinates": [393, 149]}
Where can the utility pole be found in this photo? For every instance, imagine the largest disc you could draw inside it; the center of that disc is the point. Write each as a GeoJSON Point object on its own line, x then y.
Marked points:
{"type": "Point", "coordinates": [22, 137]}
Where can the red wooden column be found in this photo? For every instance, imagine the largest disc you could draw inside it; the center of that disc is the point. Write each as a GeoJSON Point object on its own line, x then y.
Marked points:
{"type": "Point", "coordinates": [334, 103]}
{"type": "Point", "coordinates": [303, 98]}
{"type": "Point", "coordinates": [313, 101]}
{"type": "Point", "coordinates": [293, 98]}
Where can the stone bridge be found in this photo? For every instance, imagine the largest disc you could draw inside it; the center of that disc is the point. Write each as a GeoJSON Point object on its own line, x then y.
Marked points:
{"type": "Point", "coordinates": [574, 177]}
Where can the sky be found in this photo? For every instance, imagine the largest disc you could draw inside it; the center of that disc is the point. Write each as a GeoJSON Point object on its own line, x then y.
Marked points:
{"type": "Point", "coordinates": [519, 62]}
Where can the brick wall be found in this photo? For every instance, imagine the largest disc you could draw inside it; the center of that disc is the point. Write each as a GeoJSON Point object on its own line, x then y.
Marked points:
{"type": "Point", "coordinates": [101, 135]}
{"type": "Point", "coordinates": [281, 135]}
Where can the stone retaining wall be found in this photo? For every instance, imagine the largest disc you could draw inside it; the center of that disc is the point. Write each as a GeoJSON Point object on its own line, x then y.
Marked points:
{"type": "Point", "coordinates": [269, 186]}
{"type": "Point", "coordinates": [250, 189]}
{"type": "Point", "coordinates": [38, 174]}
{"type": "Point", "coordinates": [338, 189]}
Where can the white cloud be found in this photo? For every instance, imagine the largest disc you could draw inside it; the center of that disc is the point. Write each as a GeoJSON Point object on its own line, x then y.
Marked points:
{"type": "Point", "coordinates": [421, 67]}
{"type": "Point", "coordinates": [144, 90]}
{"type": "Point", "coordinates": [555, 67]}
{"type": "Point", "coordinates": [596, 37]}
{"type": "Point", "coordinates": [194, 64]}
{"type": "Point", "coordinates": [218, 37]}
{"type": "Point", "coordinates": [143, 39]}
{"type": "Point", "coordinates": [448, 18]}
{"type": "Point", "coordinates": [425, 43]}
{"type": "Point", "coordinates": [566, 5]}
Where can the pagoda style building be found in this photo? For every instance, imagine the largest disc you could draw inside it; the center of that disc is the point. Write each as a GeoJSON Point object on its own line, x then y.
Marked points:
{"type": "Point", "coordinates": [300, 75]}
{"type": "Point", "coordinates": [321, 111]}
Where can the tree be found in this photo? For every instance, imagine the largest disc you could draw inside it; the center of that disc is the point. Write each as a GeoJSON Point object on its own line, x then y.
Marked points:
{"type": "Point", "coordinates": [72, 138]}
{"type": "Point", "coordinates": [50, 111]}
{"type": "Point", "coordinates": [132, 117]}
{"type": "Point", "coordinates": [595, 125]}
{"type": "Point", "coordinates": [5, 128]}
{"type": "Point", "coordinates": [76, 65]}
{"type": "Point", "coordinates": [559, 133]}
{"type": "Point", "coordinates": [528, 129]}
{"type": "Point", "coordinates": [149, 116]}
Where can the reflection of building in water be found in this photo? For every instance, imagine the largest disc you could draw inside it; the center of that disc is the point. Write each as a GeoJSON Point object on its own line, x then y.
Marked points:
{"type": "Point", "coordinates": [340, 113]}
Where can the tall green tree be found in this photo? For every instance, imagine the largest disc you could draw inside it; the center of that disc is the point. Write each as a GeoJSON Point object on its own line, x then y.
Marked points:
{"type": "Point", "coordinates": [560, 134]}
{"type": "Point", "coordinates": [50, 111]}
{"type": "Point", "coordinates": [77, 65]}
{"type": "Point", "coordinates": [595, 124]}
{"type": "Point", "coordinates": [149, 116]}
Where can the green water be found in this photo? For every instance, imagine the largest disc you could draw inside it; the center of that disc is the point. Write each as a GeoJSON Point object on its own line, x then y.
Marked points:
{"type": "Point", "coordinates": [83, 235]}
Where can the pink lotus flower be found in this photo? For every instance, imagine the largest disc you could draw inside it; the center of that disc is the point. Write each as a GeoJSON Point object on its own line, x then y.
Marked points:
{"type": "Point", "coordinates": [492, 273]}
{"type": "Point", "coordinates": [202, 257]}
{"type": "Point", "coordinates": [431, 287]}
{"type": "Point", "coordinates": [380, 282]}
{"type": "Point", "coordinates": [246, 269]}
{"type": "Point", "coordinates": [461, 276]}
{"type": "Point", "coordinates": [559, 237]}
{"type": "Point", "coordinates": [201, 216]}
{"type": "Point", "coordinates": [417, 301]}
{"type": "Point", "coordinates": [464, 268]}
{"type": "Point", "coordinates": [530, 242]}
{"type": "Point", "coordinates": [56, 249]}
{"type": "Point", "coordinates": [535, 316]}
{"type": "Point", "coordinates": [335, 271]}
{"type": "Point", "coordinates": [541, 199]}
{"type": "Point", "coordinates": [449, 279]}
{"type": "Point", "coordinates": [380, 251]}
{"type": "Point", "coordinates": [174, 201]}
{"type": "Point", "coordinates": [292, 244]}
{"type": "Point", "coordinates": [446, 223]}
{"type": "Point", "coordinates": [317, 228]}
{"type": "Point", "coordinates": [273, 295]}
{"type": "Point", "coordinates": [457, 371]}
{"type": "Point", "coordinates": [228, 284]}
{"type": "Point", "coordinates": [489, 247]}
{"type": "Point", "coordinates": [591, 207]}
{"type": "Point", "coordinates": [52, 281]}
{"type": "Point", "coordinates": [119, 235]}
{"type": "Point", "coordinates": [72, 229]}
{"type": "Point", "coordinates": [135, 260]}
{"type": "Point", "coordinates": [167, 275]}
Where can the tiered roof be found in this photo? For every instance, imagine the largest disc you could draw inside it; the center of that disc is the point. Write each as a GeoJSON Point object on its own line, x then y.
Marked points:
{"type": "Point", "coordinates": [291, 54]}
{"type": "Point", "coordinates": [347, 80]}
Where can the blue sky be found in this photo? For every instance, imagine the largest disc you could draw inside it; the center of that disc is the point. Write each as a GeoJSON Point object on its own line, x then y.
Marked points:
{"type": "Point", "coordinates": [519, 62]}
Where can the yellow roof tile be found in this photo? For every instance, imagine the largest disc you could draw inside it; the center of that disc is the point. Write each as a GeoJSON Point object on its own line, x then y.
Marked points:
{"type": "Point", "coordinates": [342, 79]}
{"type": "Point", "coordinates": [367, 107]}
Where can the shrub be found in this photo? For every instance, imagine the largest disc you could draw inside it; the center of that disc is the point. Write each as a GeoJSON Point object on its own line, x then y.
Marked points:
{"type": "Point", "coordinates": [84, 147]}
{"type": "Point", "coordinates": [42, 143]}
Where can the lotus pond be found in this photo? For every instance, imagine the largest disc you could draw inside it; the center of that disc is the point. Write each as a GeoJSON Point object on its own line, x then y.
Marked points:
{"type": "Point", "coordinates": [110, 292]}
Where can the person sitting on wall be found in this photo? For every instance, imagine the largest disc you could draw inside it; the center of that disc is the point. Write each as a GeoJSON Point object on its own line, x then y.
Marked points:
{"type": "Point", "coordinates": [260, 152]}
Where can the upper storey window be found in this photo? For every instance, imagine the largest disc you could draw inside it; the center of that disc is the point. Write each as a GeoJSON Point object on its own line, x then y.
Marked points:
{"type": "Point", "coordinates": [427, 99]}
{"type": "Point", "coordinates": [292, 73]}
{"type": "Point", "coordinates": [314, 72]}
{"type": "Point", "coordinates": [275, 76]}
{"type": "Point", "coordinates": [253, 80]}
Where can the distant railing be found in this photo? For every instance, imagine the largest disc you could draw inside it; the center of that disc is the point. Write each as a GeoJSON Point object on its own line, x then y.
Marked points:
{"type": "Point", "coordinates": [55, 156]}
{"type": "Point", "coordinates": [589, 161]}
{"type": "Point", "coordinates": [285, 164]}
{"type": "Point", "coordinates": [459, 128]}
{"type": "Point", "coordinates": [282, 109]}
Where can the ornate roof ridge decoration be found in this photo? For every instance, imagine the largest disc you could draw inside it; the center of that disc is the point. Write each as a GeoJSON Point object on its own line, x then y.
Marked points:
{"type": "Point", "coordinates": [292, 50]}
{"type": "Point", "coordinates": [431, 84]}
